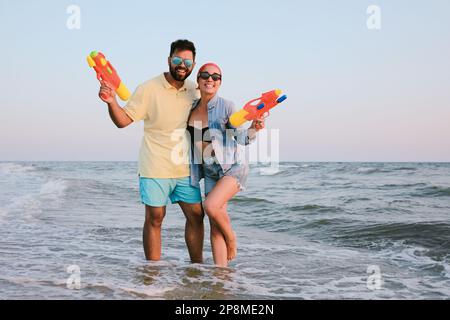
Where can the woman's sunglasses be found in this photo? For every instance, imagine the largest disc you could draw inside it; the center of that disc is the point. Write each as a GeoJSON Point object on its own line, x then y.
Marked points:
{"type": "Point", "coordinates": [205, 76]}
{"type": "Point", "coordinates": [187, 62]}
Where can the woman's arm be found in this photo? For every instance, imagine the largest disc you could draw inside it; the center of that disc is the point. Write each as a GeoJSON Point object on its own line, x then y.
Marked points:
{"type": "Point", "coordinates": [244, 136]}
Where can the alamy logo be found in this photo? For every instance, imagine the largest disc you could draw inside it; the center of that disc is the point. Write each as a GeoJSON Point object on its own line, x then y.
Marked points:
{"type": "Point", "coordinates": [374, 281]}
{"type": "Point", "coordinates": [74, 280]}
{"type": "Point", "coordinates": [374, 20]}
{"type": "Point", "coordinates": [74, 20]}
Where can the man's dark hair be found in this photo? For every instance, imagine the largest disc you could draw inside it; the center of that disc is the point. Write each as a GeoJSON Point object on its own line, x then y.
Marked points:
{"type": "Point", "coordinates": [182, 45]}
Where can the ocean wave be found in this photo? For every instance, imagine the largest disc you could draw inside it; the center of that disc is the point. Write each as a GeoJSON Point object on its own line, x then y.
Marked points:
{"type": "Point", "coordinates": [332, 225]}
{"type": "Point", "coordinates": [432, 235]}
{"type": "Point", "coordinates": [13, 168]}
{"type": "Point", "coordinates": [402, 185]}
{"type": "Point", "coordinates": [384, 169]}
{"type": "Point", "coordinates": [31, 204]}
{"type": "Point", "coordinates": [404, 169]}
{"type": "Point", "coordinates": [53, 189]}
{"type": "Point", "coordinates": [270, 171]}
{"type": "Point", "coordinates": [415, 257]}
{"type": "Point", "coordinates": [315, 228]}
{"type": "Point", "coordinates": [358, 199]}
{"type": "Point", "coordinates": [340, 169]}
{"type": "Point", "coordinates": [288, 165]}
{"type": "Point", "coordinates": [26, 205]}
{"type": "Point", "coordinates": [424, 246]}
{"type": "Point", "coordinates": [114, 230]}
{"type": "Point", "coordinates": [145, 292]}
{"type": "Point", "coordinates": [96, 187]}
{"type": "Point", "coordinates": [313, 208]}
{"type": "Point", "coordinates": [352, 169]}
{"type": "Point", "coordinates": [280, 171]}
{"type": "Point", "coordinates": [370, 170]}
{"type": "Point", "coordinates": [433, 191]}
{"type": "Point", "coordinates": [250, 200]}
{"type": "Point", "coordinates": [23, 280]}
{"type": "Point", "coordinates": [302, 165]}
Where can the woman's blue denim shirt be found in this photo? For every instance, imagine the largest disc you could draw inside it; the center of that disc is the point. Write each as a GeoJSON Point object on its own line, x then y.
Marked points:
{"type": "Point", "coordinates": [227, 142]}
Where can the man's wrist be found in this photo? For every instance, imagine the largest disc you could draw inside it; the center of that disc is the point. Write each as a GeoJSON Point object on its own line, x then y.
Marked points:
{"type": "Point", "coordinates": [113, 104]}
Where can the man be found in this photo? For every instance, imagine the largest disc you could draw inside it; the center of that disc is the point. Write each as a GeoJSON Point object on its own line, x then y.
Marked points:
{"type": "Point", "coordinates": [164, 103]}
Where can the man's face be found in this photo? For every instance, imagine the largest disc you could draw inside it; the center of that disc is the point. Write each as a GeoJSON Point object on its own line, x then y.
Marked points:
{"type": "Point", "coordinates": [181, 64]}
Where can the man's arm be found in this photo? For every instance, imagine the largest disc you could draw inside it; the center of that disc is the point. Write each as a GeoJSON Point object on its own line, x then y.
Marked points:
{"type": "Point", "coordinates": [117, 114]}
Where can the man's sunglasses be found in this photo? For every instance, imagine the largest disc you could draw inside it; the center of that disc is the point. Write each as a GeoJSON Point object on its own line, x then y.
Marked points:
{"type": "Point", "coordinates": [205, 76]}
{"type": "Point", "coordinates": [187, 62]}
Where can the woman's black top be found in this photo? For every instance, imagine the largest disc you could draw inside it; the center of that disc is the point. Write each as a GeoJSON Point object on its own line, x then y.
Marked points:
{"type": "Point", "coordinates": [194, 132]}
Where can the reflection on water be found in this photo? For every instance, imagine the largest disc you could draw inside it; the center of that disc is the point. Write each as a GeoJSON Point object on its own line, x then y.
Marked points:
{"type": "Point", "coordinates": [150, 275]}
{"type": "Point", "coordinates": [195, 281]}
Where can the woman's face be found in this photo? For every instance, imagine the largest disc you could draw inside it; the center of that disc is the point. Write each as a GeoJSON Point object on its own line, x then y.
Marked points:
{"type": "Point", "coordinates": [209, 80]}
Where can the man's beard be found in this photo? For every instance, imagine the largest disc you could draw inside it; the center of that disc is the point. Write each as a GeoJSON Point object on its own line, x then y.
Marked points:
{"type": "Point", "coordinates": [173, 73]}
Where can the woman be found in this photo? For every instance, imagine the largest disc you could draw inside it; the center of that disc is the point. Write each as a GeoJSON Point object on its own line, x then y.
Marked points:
{"type": "Point", "coordinates": [217, 155]}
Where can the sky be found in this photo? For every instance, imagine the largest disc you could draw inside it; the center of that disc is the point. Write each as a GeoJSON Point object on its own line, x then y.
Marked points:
{"type": "Point", "coordinates": [354, 93]}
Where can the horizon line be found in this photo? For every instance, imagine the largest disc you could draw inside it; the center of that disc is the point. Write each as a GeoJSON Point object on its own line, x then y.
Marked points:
{"type": "Point", "coordinates": [258, 162]}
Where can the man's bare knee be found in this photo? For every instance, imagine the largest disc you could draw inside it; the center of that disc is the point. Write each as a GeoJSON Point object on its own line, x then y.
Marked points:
{"type": "Point", "coordinates": [193, 212]}
{"type": "Point", "coordinates": [154, 216]}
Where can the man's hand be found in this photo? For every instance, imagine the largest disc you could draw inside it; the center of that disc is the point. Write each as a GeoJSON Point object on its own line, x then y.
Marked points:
{"type": "Point", "coordinates": [107, 94]}
{"type": "Point", "coordinates": [118, 115]}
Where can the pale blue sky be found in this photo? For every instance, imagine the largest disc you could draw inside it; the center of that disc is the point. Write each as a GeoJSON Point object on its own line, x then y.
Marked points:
{"type": "Point", "coordinates": [353, 94]}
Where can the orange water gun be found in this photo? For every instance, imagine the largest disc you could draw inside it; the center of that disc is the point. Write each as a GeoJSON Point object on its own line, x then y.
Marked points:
{"type": "Point", "coordinates": [257, 107]}
{"type": "Point", "coordinates": [106, 72]}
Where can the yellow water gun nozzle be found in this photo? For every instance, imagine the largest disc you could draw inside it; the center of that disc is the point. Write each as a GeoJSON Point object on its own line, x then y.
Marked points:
{"type": "Point", "coordinates": [91, 61]}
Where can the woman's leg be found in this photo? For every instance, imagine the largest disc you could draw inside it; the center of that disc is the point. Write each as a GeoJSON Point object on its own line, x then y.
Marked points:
{"type": "Point", "coordinates": [215, 207]}
{"type": "Point", "coordinates": [218, 246]}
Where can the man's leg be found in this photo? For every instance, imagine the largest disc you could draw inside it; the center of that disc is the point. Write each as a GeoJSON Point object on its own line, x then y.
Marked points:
{"type": "Point", "coordinates": [194, 231]}
{"type": "Point", "coordinates": [152, 232]}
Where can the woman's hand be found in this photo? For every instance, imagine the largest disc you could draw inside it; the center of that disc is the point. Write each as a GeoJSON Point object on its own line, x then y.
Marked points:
{"type": "Point", "coordinates": [107, 93]}
{"type": "Point", "coordinates": [258, 123]}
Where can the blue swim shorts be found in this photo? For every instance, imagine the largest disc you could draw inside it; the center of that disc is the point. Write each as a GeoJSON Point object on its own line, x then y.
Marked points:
{"type": "Point", "coordinates": [156, 192]}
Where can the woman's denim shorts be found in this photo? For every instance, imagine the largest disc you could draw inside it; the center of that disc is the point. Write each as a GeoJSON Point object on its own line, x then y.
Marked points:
{"type": "Point", "coordinates": [213, 172]}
